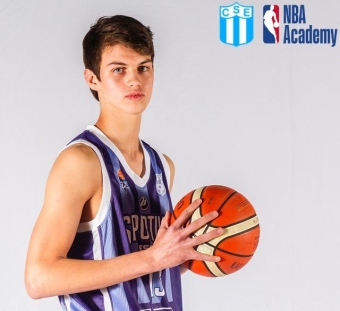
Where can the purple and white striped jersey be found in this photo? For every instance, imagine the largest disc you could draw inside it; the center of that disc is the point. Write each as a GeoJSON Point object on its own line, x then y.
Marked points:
{"type": "Point", "coordinates": [128, 219]}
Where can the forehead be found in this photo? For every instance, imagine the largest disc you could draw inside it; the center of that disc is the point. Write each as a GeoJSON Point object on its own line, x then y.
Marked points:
{"type": "Point", "coordinates": [121, 54]}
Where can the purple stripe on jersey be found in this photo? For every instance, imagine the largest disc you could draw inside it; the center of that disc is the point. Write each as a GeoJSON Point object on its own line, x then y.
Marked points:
{"type": "Point", "coordinates": [82, 247]}
{"type": "Point", "coordinates": [91, 300]}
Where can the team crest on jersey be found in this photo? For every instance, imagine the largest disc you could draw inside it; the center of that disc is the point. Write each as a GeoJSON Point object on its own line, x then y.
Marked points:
{"type": "Point", "coordinates": [160, 185]}
{"type": "Point", "coordinates": [122, 181]}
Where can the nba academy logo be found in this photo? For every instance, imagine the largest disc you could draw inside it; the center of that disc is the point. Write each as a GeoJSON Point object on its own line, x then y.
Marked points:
{"type": "Point", "coordinates": [271, 25]}
{"type": "Point", "coordinates": [236, 24]}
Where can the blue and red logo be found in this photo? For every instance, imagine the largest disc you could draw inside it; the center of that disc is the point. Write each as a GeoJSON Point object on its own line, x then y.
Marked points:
{"type": "Point", "coordinates": [271, 23]}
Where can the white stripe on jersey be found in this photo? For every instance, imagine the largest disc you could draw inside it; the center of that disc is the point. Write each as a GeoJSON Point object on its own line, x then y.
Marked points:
{"type": "Point", "coordinates": [105, 201]}
{"type": "Point", "coordinates": [97, 255]}
{"type": "Point", "coordinates": [67, 301]}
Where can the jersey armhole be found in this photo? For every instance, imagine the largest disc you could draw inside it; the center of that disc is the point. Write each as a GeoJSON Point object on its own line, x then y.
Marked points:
{"type": "Point", "coordinates": [106, 195]}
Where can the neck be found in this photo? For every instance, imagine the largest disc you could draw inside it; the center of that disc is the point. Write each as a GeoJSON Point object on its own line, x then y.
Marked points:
{"type": "Point", "coordinates": [123, 131]}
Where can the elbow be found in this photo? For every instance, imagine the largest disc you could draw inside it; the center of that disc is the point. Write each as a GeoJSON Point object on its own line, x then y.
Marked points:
{"type": "Point", "coordinates": [35, 283]}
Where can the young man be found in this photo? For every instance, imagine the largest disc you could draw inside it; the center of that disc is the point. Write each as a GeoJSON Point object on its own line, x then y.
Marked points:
{"type": "Point", "coordinates": [103, 239]}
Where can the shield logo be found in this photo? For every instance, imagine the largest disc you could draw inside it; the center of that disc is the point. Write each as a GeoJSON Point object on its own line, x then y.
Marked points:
{"type": "Point", "coordinates": [236, 24]}
{"type": "Point", "coordinates": [160, 185]}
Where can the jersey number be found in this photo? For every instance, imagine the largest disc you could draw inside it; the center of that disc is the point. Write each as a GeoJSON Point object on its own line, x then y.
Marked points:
{"type": "Point", "coordinates": [156, 285]}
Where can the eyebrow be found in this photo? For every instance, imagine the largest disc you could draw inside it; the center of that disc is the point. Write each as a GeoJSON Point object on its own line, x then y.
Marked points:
{"type": "Point", "coordinates": [123, 64]}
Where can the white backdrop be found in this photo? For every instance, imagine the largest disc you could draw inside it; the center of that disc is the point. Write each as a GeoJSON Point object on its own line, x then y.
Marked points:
{"type": "Point", "coordinates": [262, 119]}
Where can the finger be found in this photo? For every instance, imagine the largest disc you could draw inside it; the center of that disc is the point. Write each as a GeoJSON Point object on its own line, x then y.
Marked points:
{"type": "Point", "coordinates": [204, 257]}
{"type": "Point", "coordinates": [205, 251]}
{"type": "Point", "coordinates": [206, 237]}
{"type": "Point", "coordinates": [186, 214]}
{"type": "Point", "coordinates": [200, 222]}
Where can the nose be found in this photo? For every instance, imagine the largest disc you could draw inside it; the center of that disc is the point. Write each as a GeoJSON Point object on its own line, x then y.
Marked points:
{"type": "Point", "coordinates": [133, 79]}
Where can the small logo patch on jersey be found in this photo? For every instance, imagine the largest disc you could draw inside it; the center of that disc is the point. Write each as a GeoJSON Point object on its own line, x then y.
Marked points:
{"type": "Point", "coordinates": [122, 180]}
{"type": "Point", "coordinates": [143, 203]}
{"type": "Point", "coordinates": [160, 185]}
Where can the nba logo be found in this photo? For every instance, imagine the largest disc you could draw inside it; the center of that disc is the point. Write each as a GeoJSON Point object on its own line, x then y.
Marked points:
{"type": "Point", "coordinates": [236, 24]}
{"type": "Point", "coordinates": [271, 25]}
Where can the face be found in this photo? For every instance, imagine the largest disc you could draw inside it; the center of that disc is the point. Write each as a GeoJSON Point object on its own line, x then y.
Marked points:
{"type": "Point", "coordinates": [126, 80]}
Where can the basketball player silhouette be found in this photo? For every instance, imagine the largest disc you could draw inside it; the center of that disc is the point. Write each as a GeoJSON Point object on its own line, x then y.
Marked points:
{"type": "Point", "coordinates": [268, 21]}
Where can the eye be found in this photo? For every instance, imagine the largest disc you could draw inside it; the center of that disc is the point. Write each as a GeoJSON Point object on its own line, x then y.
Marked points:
{"type": "Point", "coordinates": [118, 70]}
{"type": "Point", "coordinates": [143, 68]}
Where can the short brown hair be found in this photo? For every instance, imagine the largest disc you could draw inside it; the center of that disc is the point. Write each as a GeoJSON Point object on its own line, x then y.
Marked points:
{"type": "Point", "coordinates": [111, 30]}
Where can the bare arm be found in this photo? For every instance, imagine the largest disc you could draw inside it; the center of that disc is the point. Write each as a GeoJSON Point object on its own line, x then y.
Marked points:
{"type": "Point", "coordinates": [75, 181]}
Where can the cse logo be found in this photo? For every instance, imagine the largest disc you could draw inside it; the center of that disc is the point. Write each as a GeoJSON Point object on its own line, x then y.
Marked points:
{"type": "Point", "coordinates": [236, 24]}
{"type": "Point", "coordinates": [236, 10]}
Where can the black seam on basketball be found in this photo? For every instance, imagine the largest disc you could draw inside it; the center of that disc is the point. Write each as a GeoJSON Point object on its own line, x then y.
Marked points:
{"type": "Point", "coordinates": [192, 195]}
{"type": "Point", "coordinates": [226, 200]}
{"type": "Point", "coordinates": [206, 226]}
{"type": "Point", "coordinates": [219, 268]}
{"type": "Point", "coordinates": [213, 274]}
{"type": "Point", "coordinates": [235, 223]}
{"type": "Point", "coordinates": [233, 254]}
{"type": "Point", "coordinates": [244, 231]}
{"type": "Point", "coordinates": [230, 236]}
{"type": "Point", "coordinates": [230, 253]}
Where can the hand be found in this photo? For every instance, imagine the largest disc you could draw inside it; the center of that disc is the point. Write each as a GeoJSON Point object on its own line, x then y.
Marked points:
{"type": "Point", "coordinates": [174, 244]}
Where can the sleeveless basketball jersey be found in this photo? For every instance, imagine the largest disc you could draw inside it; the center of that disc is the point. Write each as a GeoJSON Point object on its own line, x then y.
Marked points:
{"type": "Point", "coordinates": [128, 219]}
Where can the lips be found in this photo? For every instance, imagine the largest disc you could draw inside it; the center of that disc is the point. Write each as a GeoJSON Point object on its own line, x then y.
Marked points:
{"type": "Point", "coordinates": [135, 96]}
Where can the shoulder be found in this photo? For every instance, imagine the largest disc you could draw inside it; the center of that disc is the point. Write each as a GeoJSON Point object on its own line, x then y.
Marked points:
{"type": "Point", "coordinates": [77, 156]}
{"type": "Point", "coordinates": [75, 165]}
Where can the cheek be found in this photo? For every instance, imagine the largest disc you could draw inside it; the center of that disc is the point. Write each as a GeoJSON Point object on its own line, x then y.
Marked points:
{"type": "Point", "coordinates": [149, 81]}
{"type": "Point", "coordinates": [112, 83]}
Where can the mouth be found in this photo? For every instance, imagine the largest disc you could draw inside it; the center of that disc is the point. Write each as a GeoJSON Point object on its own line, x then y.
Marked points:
{"type": "Point", "coordinates": [135, 96]}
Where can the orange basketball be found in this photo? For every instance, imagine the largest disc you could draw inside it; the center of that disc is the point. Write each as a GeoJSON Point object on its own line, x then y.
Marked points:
{"type": "Point", "coordinates": [236, 246]}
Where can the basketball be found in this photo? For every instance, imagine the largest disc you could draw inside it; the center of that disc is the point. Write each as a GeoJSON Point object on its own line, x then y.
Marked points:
{"type": "Point", "coordinates": [276, 24]}
{"type": "Point", "coordinates": [237, 217]}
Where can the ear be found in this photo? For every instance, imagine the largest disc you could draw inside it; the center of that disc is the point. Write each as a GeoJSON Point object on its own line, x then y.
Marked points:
{"type": "Point", "coordinates": [91, 79]}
